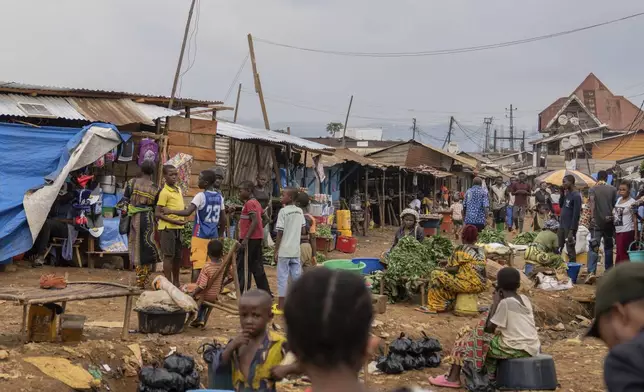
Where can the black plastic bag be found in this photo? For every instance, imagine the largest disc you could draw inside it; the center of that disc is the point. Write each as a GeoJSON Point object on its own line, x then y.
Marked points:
{"type": "Point", "coordinates": [161, 379]}
{"type": "Point", "coordinates": [409, 362]}
{"type": "Point", "coordinates": [192, 380]}
{"type": "Point", "coordinates": [429, 345]}
{"type": "Point", "coordinates": [400, 345]}
{"type": "Point", "coordinates": [476, 381]}
{"type": "Point", "coordinates": [390, 364]}
{"type": "Point", "coordinates": [421, 362]}
{"type": "Point", "coordinates": [415, 348]}
{"type": "Point", "coordinates": [177, 363]}
{"type": "Point", "coordinates": [433, 360]}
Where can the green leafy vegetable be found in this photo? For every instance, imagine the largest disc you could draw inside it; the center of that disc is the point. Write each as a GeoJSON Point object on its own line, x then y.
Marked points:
{"type": "Point", "coordinates": [525, 238]}
{"type": "Point", "coordinates": [488, 236]}
{"type": "Point", "coordinates": [407, 263]}
{"type": "Point", "coordinates": [438, 247]}
{"type": "Point", "coordinates": [323, 231]}
{"type": "Point", "coordinates": [186, 234]}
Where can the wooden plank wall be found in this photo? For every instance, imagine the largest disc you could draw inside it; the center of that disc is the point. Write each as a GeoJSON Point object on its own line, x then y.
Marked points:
{"type": "Point", "coordinates": [194, 137]}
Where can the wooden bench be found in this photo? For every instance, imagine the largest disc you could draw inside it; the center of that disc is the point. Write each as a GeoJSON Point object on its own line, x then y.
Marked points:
{"type": "Point", "coordinates": [57, 242]}
{"type": "Point", "coordinates": [92, 252]}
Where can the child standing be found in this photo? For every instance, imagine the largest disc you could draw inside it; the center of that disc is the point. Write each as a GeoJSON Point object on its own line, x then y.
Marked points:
{"type": "Point", "coordinates": [308, 248]}
{"type": "Point", "coordinates": [256, 354]}
{"type": "Point", "coordinates": [457, 216]}
{"type": "Point", "coordinates": [210, 219]}
{"type": "Point", "coordinates": [290, 227]}
{"type": "Point", "coordinates": [170, 225]}
{"type": "Point", "coordinates": [624, 220]}
{"type": "Point", "coordinates": [251, 234]}
{"type": "Point", "coordinates": [213, 270]}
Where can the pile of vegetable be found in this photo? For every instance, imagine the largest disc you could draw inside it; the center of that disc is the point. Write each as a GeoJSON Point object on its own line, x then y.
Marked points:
{"type": "Point", "coordinates": [491, 236]}
{"type": "Point", "coordinates": [323, 231]}
{"type": "Point", "coordinates": [409, 262]}
{"type": "Point", "coordinates": [525, 238]}
{"type": "Point", "coordinates": [186, 234]}
{"type": "Point", "coordinates": [269, 256]}
{"type": "Point", "coordinates": [228, 244]}
{"type": "Point", "coordinates": [233, 201]}
{"type": "Point", "coordinates": [439, 247]}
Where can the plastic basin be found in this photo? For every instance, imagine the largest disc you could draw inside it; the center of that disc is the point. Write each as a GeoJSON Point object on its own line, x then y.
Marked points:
{"type": "Point", "coordinates": [345, 265]}
{"type": "Point", "coordinates": [372, 264]}
{"type": "Point", "coordinates": [161, 322]}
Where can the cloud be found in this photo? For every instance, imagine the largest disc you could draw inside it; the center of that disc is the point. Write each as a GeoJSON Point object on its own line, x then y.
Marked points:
{"type": "Point", "coordinates": [134, 45]}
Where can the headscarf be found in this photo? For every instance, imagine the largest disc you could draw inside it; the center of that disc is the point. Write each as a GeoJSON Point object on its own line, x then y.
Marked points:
{"type": "Point", "coordinates": [551, 224]}
{"type": "Point", "coordinates": [412, 212]}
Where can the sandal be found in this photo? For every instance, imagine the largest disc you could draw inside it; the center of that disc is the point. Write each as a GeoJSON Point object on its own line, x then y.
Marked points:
{"type": "Point", "coordinates": [425, 309]}
{"type": "Point", "coordinates": [277, 311]}
{"type": "Point", "coordinates": [441, 381]}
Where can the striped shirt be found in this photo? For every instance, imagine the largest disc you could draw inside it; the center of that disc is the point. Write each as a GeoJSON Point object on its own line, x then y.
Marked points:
{"type": "Point", "coordinates": [212, 270]}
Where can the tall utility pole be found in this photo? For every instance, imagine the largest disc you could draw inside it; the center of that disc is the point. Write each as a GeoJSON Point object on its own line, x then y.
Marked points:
{"type": "Point", "coordinates": [183, 49]}
{"type": "Point", "coordinates": [413, 127]}
{"type": "Point", "coordinates": [237, 103]}
{"type": "Point", "coordinates": [346, 121]}
{"type": "Point", "coordinates": [487, 121]}
{"type": "Point", "coordinates": [448, 138]}
{"type": "Point", "coordinates": [512, 109]}
{"type": "Point", "coordinates": [494, 145]}
{"type": "Point", "coordinates": [258, 83]}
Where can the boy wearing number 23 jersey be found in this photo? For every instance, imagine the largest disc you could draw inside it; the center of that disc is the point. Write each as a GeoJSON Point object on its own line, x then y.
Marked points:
{"type": "Point", "coordinates": [208, 207]}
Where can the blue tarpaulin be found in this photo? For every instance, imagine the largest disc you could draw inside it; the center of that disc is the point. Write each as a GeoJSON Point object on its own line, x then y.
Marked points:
{"type": "Point", "coordinates": [30, 157]}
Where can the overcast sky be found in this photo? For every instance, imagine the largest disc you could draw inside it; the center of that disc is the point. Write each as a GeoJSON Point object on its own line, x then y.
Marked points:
{"type": "Point", "coordinates": [133, 45]}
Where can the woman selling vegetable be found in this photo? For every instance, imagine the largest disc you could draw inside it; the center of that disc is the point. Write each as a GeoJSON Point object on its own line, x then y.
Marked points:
{"type": "Point", "coordinates": [543, 250]}
{"type": "Point", "coordinates": [464, 273]}
{"type": "Point", "coordinates": [410, 227]}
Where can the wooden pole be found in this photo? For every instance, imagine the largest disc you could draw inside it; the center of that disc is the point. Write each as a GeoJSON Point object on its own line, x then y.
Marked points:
{"type": "Point", "coordinates": [367, 218]}
{"type": "Point", "coordinates": [246, 277]}
{"type": "Point", "coordinates": [237, 103]}
{"type": "Point", "coordinates": [400, 194]}
{"type": "Point", "coordinates": [382, 207]}
{"type": "Point", "coordinates": [258, 83]}
{"type": "Point", "coordinates": [346, 120]}
{"type": "Point", "coordinates": [183, 48]}
{"type": "Point", "coordinates": [126, 318]}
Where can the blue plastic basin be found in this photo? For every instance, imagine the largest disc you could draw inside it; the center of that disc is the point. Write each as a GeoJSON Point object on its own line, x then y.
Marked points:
{"type": "Point", "coordinates": [372, 264]}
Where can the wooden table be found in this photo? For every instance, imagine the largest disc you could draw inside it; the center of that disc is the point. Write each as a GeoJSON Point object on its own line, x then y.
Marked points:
{"type": "Point", "coordinates": [75, 291]}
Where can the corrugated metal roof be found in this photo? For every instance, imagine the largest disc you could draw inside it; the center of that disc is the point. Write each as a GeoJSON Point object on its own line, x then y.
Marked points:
{"type": "Point", "coordinates": [25, 88]}
{"type": "Point", "coordinates": [115, 111]}
{"type": "Point", "coordinates": [342, 155]}
{"type": "Point", "coordinates": [59, 107]}
{"type": "Point", "coordinates": [455, 157]}
{"type": "Point", "coordinates": [242, 132]}
{"type": "Point", "coordinates": [429, 170]}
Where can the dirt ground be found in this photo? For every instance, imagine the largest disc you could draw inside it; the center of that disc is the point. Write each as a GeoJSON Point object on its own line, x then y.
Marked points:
{"type": "Point", "coordinates": [578, 362]}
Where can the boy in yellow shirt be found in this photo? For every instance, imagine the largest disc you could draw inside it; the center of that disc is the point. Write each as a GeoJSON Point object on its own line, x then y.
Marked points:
{"type": "Point", "coordinates": [170, 226]}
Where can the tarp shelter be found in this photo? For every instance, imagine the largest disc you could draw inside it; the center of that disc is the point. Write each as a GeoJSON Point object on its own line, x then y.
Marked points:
{"type": "Point", "coordinates": [34, 164]}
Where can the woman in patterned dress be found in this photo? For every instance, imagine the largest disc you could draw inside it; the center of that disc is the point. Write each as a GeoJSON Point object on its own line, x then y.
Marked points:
{"type": "Point", "coordinates": [464, 273]}
{"type": "Point", "coordinates": [140, 198]}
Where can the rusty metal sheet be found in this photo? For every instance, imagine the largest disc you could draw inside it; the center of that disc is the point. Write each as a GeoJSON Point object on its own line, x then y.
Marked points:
{"type": "Point", "coordinates": [115, 111]}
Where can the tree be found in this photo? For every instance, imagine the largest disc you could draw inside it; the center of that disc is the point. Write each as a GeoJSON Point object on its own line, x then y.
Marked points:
{"type": "Point", "coordinates": [334, 127]}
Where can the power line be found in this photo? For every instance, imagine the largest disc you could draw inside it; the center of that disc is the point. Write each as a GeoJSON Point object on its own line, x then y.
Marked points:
{"type": "Point", "coordinates": [442, 52]}
{"type": "Point", "coordinates": [236, 78]}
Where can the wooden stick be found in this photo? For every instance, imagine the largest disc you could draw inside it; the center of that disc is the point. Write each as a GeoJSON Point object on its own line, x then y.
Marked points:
{"type": "Point", "coordinates": [365, 370]}
{"type": "Point", "coordinates": [24, 334]}
{"type": "Point", "coordinates": [233, 264]}
{"type": "Point", "coordinates": [126, 319]}
{"type": "Point", "coordinates": [246, 277]}
{"type": "Point", "coordinates": [123, 286]}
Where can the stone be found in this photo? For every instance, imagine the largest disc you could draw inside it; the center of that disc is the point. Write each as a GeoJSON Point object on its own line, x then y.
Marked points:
{"type": "Point", "coordinates": [4, 355]}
